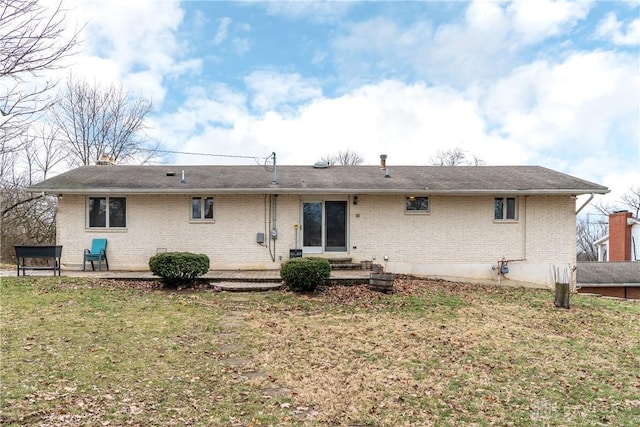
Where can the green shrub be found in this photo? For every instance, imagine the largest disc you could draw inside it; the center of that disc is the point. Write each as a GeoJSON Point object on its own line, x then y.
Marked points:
{"type": "Point", "coordinates": [177, 268]}
{"type": "Point", "coordinates": [305, 274]}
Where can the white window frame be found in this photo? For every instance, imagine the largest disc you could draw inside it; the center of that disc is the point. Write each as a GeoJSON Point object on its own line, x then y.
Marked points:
{"type": "Point", "coordinates": [203, 213]}
{"type": "Point", "coordinates": [416, 201]}
{"type": "Point", "coordinates": [107, 225]}
{"type": "Point", "coordinates": [505, 210]}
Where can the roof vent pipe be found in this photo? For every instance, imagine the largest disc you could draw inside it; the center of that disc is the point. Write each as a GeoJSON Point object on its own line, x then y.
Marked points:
{"type": "Point", "coordinates": [275, 170]}
{"type": "Point", "coordinates": [182, 181]}
{"type": "Point", "coordinates": [383, 161]}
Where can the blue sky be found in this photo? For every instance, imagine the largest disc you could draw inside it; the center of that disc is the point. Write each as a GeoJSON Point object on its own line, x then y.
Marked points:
{"type": "Point", "coordinates": [555, 84]}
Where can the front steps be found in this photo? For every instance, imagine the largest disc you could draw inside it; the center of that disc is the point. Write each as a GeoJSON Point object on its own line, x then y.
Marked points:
{"type": "Point", "coordinates": [348, 264]}
{"type": "Point", "coordinates": [343, 272]}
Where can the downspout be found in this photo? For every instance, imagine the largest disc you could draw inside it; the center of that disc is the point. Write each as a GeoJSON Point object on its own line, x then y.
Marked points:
{"type": "Point", "coordinates": [574, 268]}
{"type": "Point", "coordinates": [274, 228]}
{"type": "Point", "coordinates": [273, 234]}
{"type": "Point", "coordinates": [524, 230]}
{"type": "Point", "coordinates": [585, 203]}
{"type": "Point", "coordinates": [266, 220]}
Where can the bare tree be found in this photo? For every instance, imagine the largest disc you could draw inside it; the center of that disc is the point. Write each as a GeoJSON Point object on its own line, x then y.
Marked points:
{"type": "Point", "coordinates": [33, 39]}
{"type": "Point", "coordinates": [33, 162]}
{"type": "Point", "coordinates": [94, 120]}
{"type": "Point", "coordinates": [632, 200]}
{"type": "Point", "coordinates": [26, 218]}
{"type": "Point", "coordinates": [455, 157]}
{"type": "Point", "coordinates": [588, 231]}
{"type": "Point", "coordinates": [345, 158]}
{"type": "Point", "coordinates": [629, 200]}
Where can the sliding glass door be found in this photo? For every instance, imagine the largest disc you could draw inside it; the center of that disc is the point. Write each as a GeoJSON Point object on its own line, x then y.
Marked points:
{"type": "Point", "coordinates": [324, 226]}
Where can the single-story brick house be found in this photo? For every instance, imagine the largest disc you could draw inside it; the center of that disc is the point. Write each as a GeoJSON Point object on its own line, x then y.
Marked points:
{"type": "Point", "coordinates": [452, 222]}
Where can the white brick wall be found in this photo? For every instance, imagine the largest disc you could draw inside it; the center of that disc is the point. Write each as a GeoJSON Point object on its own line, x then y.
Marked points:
{"type": "Point", "coordinates": [163, 222]}
{"type": "Point", "coordinates": [458, 231]}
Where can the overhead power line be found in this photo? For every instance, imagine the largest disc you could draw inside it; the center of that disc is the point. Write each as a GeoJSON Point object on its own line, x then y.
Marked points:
{"type": "Point", "coordinates": [237, 156]}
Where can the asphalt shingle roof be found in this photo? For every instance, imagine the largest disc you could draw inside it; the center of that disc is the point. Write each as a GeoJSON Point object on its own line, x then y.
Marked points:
{"type": "Point", "coordinates": [308, 179]}
{"type": "Point", "coordinates": [607, 273]}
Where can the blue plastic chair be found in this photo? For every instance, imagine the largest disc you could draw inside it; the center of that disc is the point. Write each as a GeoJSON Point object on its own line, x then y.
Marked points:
{"type": "Point", "coordinates": [98, 253]}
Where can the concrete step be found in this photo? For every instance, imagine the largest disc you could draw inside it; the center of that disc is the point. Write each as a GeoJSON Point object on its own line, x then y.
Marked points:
{"type": "Point", "coordinates": [237, 286]}
{"type": "Point", "coordinates": [260, 286]}
{"type": "Point", "coordinates": [333, 261]}
{"type": "Point", "coordinates": [240, 279]}
{"type": "Point", "coordinates": [346, 266]}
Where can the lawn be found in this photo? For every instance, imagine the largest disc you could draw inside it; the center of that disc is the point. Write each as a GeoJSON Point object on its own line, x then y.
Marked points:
{"type": "Point", "coordinates": [86, 352]}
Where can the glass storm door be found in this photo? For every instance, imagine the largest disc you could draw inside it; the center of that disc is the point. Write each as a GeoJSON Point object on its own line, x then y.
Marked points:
{"type": "Point", "coordinates": [335, 226]}
{"type": "Point", "coordinates": [324, 227]}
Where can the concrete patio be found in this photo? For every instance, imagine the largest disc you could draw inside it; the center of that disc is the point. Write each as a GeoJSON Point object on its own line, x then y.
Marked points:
{"type": "Point", "coordinates": [229, 280]}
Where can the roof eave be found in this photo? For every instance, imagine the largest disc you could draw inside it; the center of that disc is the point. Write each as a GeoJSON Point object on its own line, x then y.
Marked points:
{"type": "Point", "coordinates": [275, 189]}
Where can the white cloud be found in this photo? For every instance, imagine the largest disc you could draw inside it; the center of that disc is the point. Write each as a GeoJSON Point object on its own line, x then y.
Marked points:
{"type": "Point", "coordinates": [407, 122]}
{"type": "Point", "coordinates": [131, 42]}
{"type": "Point", "coordinates": [223, 30]}
{"type": "Point", "coordinates": [483, 46]}
{"type": "Point", "coordinates": [145, 84]}
{"type": "Point", "coordinates": [577, 115]}
{"type": "Point", "coordinates": [241, 45]}
{"type": "Point", "coordinates": [205, 108]}
{"type": "Point", "coordinates": [536, 20]}
{"type": "Point", "coordinates": [620, 182]}
{"type": "Point", "coordinates": [611, 29]}
{"type": "Point", "coordinates": [316, 10]}
{"type": "Point", "coordinates": [271, 89]}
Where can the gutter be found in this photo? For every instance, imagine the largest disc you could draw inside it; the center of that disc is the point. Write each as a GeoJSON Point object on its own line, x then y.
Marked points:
{"type": "Point", "coordinates": [609, 285]}
{"type": "Point", "coordinates": [274, 189]}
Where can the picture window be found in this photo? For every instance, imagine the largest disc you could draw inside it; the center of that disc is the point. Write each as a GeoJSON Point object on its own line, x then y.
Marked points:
{"type": "Point", "coordinates": [107, 212]}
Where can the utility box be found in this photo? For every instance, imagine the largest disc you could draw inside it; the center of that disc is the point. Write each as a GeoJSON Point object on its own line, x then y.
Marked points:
{"type": "Point", "coordinates": [260, 238]}
{"type": "Point", "coordinates": [295, 253]}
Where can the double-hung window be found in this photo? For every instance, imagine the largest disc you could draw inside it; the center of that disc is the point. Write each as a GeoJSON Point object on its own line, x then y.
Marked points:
{"type": "Point", "coordinates": [107, 212]}
{"type": "Point", "coordinates": [505, 209]}
{"type": "Point", "coordinates": [202, 208]}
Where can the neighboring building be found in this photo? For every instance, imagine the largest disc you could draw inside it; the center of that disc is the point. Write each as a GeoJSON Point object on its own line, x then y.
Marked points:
{"type": "Point", "coordinates": [623, 241]}
{"type": "Point", "coordinates": [612, 279]}
{"type": "Point", "coordinates": [452, 222]}
{"type": "Point", "coordinates": [620, 276]}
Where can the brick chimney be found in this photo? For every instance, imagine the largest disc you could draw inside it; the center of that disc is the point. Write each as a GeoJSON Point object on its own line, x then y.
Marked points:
{"type": "Point", "coordinates": [619, 236]}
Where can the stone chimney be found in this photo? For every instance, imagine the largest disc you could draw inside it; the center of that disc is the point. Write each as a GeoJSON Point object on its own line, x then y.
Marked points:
{"type": "Point", "coordinates": [105, 160]}
{"type": "Point", "coordinates": [619, 236]}
{"type": "Point", "coordinates": [383, 161]}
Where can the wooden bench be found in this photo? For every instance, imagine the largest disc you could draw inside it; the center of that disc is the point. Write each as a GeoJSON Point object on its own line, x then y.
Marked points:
{"type": "Point", "coordinates": [53, 253]}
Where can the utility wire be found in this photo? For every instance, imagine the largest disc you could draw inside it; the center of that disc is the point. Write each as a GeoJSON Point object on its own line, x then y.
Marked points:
{"type": "Point", "coordinates": [257, 159]}
{"type": "Point", "coordinates": [237, 156]}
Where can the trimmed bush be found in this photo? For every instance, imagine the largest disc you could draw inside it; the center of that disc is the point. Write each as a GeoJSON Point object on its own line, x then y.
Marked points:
{"type": "Point", "coordinates": [305, 274]}
{"type": "Point", "coordinates": [177, 268]}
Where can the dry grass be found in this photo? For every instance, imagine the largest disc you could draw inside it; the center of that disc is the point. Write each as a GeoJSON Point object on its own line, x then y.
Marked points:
{"type": "Point", "coordinates": [432, 353]}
